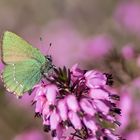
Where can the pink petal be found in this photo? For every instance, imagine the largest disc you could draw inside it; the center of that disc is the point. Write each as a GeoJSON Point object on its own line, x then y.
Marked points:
{"type": "Point", "coordinates": [39, 104]}
{"type": "Point", "coordinates": [72, 103]}
{"type": "Point", "coordinates": [46, 113]}
{"type": "Point", "coordinates": [89, 123]}
{"type": "Point", "coordinates": [101, 106]}
{"type": "Point", "coordinates": [59, 132]}
{"type": "Point", "coordinates": [76, 71]}
{"type": "Point", "coordinates": [87, 107]}
{"type": "Point", "coordinates": [62, 109]}
{"type": "Point", "coordinates": [97, 93]}
{"type": "Point", "coordinates": [51, 93]}
{"type": "Point", "coordinates": [95, 79]}
{"type": "Point", "coordinates": [54, 120]}
{"type": "Point", "coordinates": [75, 120]}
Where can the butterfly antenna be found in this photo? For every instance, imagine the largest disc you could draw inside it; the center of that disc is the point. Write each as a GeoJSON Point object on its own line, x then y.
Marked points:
{"type": "Point", "coordinates": [50, 45]}
{"type": "Point", "coordinates": [42, 45]}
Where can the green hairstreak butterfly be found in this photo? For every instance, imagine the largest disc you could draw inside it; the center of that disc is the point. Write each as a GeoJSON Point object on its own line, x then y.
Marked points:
{"type": "Point", "coordinates": [24, 65]}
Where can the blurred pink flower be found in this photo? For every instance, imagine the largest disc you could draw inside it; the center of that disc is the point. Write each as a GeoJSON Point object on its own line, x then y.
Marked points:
{"type": "Point", "coordinates": [126, 106]}
{"type": "Point", "coordinates": [98, 46]}
{"type": "Point", "coordinates": [128, 51]}
{"type": "Point", "coordinates": [67, 43]}
{"type": "Point", "coordinates": [30, 135]}
{"type": "Point", "coordinates": [127, 14]}
{"type": "Point", "coordinates": [134, 135]}
{"type": "Point", "coordinates": [135, 86]}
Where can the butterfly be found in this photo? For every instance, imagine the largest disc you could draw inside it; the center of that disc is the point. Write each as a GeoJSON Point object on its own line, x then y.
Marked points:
{"type": "Point", "coordinates": [24, 64]}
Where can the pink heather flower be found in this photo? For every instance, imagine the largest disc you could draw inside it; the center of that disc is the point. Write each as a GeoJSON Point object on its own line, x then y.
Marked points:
{"type": "Point", "coordinates": [51, 92]}
{"type": "Point", "coordinates": [95, 79]}
{"type": "Point", "coordinates": [101, 106]}
{"type": "Point", "coordinates": [54, 120]}
{"type": "Point", "coordinates": [39, 90]}
{"type": "Point", "coordinates": [77, 99]}
{"type": "Point", "coordinates": [63, 110]}
{"type": "Point", "coordinates": [111, 135]}
{"type": "Point", "coordinates": [98, 93]}
{"type": "Point", "coordinates": [90, 123]}
{"type": "Point", "coordinates": [40, 103]}
{"type": "Point", "coordinates": [87, 107]}
{"type": "Point", "coordinates": [126, 106]}
{"type": "Point", "coordinates": [72, 103]}
{"type": "Point", "coordinates": [76, 72]}
{"type": "Point", "coordinates": [46, 113]}
{"type": "Point", "coordinates": [75, 120]}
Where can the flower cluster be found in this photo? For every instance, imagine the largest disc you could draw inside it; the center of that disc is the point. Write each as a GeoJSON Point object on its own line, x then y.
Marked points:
{"type": "Point", "coordinates": [79, 100]}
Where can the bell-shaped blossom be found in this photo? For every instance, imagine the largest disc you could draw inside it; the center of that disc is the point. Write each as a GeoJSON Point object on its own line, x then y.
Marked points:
{"type": "Point", "coordinates": [72, 103]}
{"type": "Point", "coordinates": [54, 120]}
{"type": "Point", "coordinates": [98, 93]}
{"type": "Point", "coordinates": [39, 104]}
{"type": "Point", "coordinates": [87, 107]}
{"type": "Point", "coordinates": [51, 93]}
{"type": "Point", "coordinates": [95, 79]}
{"type": "Point", "coordinates": [39, 90]}
{"type": "Point", "coordinates": [46, 113]}
{"type": "Point", "coordinates": [76, 72]}
{"type": "Point", "coordinates": [63, 110]}
{"type": "Point", "coordinates": [101, 106]}
{"type": "Point", "coordinates": [75, 120]}
{"type": "Point", "coordinates": [59, 133]}
{"type": "Point", "coordinates": [90, 123]}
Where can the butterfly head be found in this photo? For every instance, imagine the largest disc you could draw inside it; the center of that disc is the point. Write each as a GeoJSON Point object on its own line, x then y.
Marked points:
{"type": "Point", "coordinates": [48, 65]}
{"type": "Point", "coordinates": [48, 58]}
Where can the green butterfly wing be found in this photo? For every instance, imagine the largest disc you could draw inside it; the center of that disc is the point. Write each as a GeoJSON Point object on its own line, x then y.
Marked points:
{"type": "Point", "coordinates": [15, 49]}
{"type": "Point", "coordinates": [23, 64]}
{"type": "Point", "coordinates": [21, 77]}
